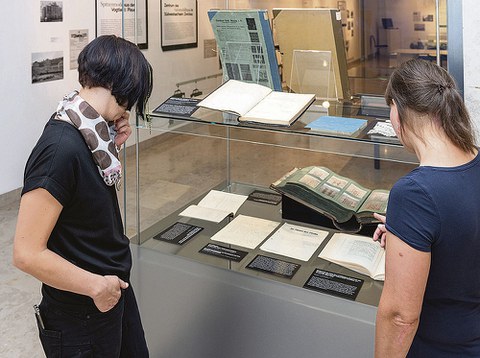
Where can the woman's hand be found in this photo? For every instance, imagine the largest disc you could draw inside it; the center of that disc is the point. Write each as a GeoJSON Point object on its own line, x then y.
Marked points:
{"type": "Point", "coordinates": [109, 292]}
{"type": "Point", "coordinates": [380, 232]}
{"type": "Point", "coordinates": [122, 127]}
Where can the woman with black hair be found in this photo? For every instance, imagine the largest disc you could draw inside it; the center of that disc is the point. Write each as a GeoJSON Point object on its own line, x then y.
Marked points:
{"type": "Point", "coordinates": [69, 232]}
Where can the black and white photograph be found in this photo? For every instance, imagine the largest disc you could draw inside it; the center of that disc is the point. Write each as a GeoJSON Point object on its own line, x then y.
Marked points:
{"type": "Point", "coordinates": [419, 27]}
{"type": "Point", "coordinates": [51, 11]}
{"type": "Point", "coordinates": [428, 18]}
{"type": "Point", "coordinates": [47, 66]}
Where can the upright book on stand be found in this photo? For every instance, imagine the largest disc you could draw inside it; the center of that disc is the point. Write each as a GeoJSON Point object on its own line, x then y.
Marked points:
{"type": "Point", "coordinates": [252, 102]}
{"type": "Point", "coordinates": [346, 203]}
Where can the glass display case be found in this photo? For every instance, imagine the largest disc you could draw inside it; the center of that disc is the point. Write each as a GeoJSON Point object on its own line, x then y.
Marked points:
{"type": "Point", "coordinates": [187, 157]}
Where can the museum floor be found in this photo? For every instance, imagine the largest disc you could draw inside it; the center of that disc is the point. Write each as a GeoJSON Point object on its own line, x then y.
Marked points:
{"type": "Point", "coordinates": [172, 172]}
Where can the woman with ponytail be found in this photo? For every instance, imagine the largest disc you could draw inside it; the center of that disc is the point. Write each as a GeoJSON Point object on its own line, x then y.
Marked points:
{"type": "Point", "coordinates": [430, 304]}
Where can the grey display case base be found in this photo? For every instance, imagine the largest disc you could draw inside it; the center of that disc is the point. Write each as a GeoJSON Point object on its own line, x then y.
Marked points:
{"type": "Point", "coordinates": [190, 309]}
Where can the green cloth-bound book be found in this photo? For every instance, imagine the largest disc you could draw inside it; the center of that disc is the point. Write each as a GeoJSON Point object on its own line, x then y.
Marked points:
{"type": "Point", "coordinates": [338, 125]}
{"type": "Point", "coordinates": [348, 204]}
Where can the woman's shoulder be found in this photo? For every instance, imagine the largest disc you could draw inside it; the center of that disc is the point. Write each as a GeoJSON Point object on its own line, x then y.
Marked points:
{"type": "Point", "coordinates": [62, 135]}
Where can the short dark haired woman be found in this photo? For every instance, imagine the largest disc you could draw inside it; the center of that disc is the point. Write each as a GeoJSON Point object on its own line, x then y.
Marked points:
{"type": "Point", "coordinates": [69, 232]}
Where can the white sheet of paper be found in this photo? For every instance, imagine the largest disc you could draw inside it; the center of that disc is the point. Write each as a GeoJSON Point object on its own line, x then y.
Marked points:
{"type": "Point", "coordinates": [245, 231]}
{"type": "Point", "coordinates": [208, 214]}
{"type": "Point", "coordinates": [295, 241]}
{"type": "Point", "coordinates": [215, 206]}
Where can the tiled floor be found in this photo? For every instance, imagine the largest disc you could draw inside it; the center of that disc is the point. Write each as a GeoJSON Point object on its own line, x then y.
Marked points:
{"type": "Point", "coordinates": [18, 293]}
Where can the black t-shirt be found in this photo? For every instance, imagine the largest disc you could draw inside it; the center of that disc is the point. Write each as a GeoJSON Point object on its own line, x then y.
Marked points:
{"type": "Point", "coordinates": [89, 232]}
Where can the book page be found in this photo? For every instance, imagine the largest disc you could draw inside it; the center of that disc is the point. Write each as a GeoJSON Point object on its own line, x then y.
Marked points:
{"type": "Point", "coordinates": [207, 214]}
{"type": "Point", "coordinates": [235, 96]}
{"type": "Point", "coordinates": [358, 253]}
{"type": "Point", "coordinates": [215, 206]}
{"type": "Point", "coordinates": [377, 201]}
{"type": "Point", "coordinates": [341, 190]}
{"type": "Point", "coordinates": [245, 231]}
{"type": "Point", "coordinates": [295, 241]}
{"type": "Point", "coordinates": [279, 108]}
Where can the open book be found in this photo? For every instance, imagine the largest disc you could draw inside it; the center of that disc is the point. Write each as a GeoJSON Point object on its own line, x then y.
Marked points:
{"type": "Point", "coordinates": [358, 253]}
{"type": "Point", "coordinates": [215, 206]}
{"type": "Point", "coordinates": [344, 201]}
{"type": "Point", "coordinates": [256, 103]}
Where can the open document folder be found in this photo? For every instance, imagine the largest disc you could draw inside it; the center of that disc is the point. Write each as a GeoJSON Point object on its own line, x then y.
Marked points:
{"type": "Point", "coordinates": [215, 206]}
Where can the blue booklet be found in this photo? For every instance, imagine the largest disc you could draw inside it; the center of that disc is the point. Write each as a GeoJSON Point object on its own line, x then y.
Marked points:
{"type": "Point", "coordinates": [338, 125]}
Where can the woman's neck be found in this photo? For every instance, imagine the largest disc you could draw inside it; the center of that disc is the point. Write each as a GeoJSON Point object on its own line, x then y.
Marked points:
{"type": "Point", "coordinates": [97, 97]}
{"type": "Point", "coordinates": [438, 150]}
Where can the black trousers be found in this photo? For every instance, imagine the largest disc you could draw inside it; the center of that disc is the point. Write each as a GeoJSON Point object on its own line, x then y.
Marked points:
{"type": "Point", "coordinates": [82, 332]}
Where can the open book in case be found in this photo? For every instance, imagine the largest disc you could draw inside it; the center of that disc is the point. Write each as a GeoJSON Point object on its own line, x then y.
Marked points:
{"type": "Point", "coordinates": [349, 205]}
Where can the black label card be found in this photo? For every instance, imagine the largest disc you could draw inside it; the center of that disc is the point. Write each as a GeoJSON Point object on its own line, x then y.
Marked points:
{"type": "Point", "coordinates": [265, 197]}
{"type": "Point", "coordinates": [273, 266]}
{"type": "Point", "coordinates": [224, 252]}
{"type": "Point", "coordinates": [179, 233]}
{"type": "Point", "coordinates": [334, 284]}
{"type": "Point", "coordinates": [179, 106]}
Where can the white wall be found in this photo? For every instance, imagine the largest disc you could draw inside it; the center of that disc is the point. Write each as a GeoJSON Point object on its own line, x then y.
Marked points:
{"type": "Point", "coordinates": [26, 107]}
{"type": "Point", "coordinates": [405, 22]}
{"type": "Point", "coordinates": [471, 59]}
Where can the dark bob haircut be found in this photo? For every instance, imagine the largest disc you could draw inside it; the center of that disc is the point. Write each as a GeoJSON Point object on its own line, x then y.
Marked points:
{"type": "Point", "coordinates": [118, 65]}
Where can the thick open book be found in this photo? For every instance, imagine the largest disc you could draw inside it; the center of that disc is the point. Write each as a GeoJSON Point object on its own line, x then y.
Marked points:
{"type": "Point", "coordinates": [256, 103]}
{"type": "Point", "coordinates": [344, 201]}
{"type": "Point", "coordinates": [215, 206]}
{"type": "Point", "coordinates": [358, 253]}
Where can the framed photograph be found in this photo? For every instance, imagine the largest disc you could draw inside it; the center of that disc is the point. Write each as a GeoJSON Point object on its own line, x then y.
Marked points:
{"type": "Point", "coordinates": [113, 18]}
{"type": "Point", "coordinates": [179, 24]}
{"type": "Point", "coordinates": [419, 27]}
{"type": "Point", "coordinates": [47, 66]}
{"type": "Point", "coordinates": [51, 11]}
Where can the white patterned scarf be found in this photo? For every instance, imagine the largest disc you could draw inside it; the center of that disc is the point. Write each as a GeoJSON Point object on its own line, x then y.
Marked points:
{"type": "Point", "coordinates": [99, 136]}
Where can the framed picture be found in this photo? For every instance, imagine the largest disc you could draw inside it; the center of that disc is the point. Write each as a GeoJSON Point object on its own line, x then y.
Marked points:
{"type": "Point", "coordinates": [179, 24]}
{"type": "Point", "coordinates": [113, 18]}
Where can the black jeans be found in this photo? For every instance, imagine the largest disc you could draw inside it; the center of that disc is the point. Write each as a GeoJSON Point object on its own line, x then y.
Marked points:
{"type": "Point", "coordinates": [82, 332]}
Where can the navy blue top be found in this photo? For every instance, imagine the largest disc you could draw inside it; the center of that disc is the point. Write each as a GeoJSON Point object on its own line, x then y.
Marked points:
{"type": "Point", "coordinates": [437, 210]}
{"type": "Point", "coordinates": [89, 232]}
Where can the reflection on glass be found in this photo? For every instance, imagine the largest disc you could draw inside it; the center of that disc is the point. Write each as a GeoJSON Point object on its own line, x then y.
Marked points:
{"type": "Point", "coordinates": [379, 35]}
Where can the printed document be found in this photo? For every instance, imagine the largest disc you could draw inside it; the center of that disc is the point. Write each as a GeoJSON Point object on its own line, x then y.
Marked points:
{"type": "Point", "coordinates": [295, 241]}
{"type": "Point", "coordinates": [245, 231]}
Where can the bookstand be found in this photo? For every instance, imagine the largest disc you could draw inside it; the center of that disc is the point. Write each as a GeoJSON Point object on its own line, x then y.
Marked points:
{"type": "Point", "coordinates": [294, 210]}
{"type": "Point", "coordinates": [312, 73]}
{"type": "Point", "coordinates": [246, 47]}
